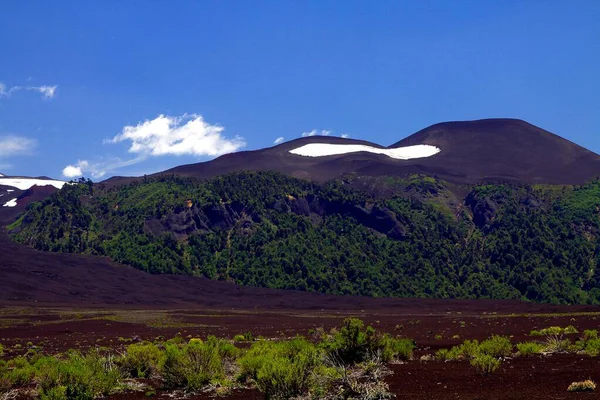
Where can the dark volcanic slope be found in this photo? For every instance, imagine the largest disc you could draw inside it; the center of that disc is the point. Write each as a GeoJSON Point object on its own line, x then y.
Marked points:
{"type": "Point", "coordinates": [471, 152]}
{"type": "Point", "coordinates": [36, 278]}
{"type": "Point", "coordinates": [504, 149]}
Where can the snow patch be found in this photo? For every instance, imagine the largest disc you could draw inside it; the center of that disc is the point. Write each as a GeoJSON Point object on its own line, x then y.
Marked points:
{"type": "Point", "coordinates": [26, 183]}
{"type": "Point", "coordinates": [399, 153]}
{"type": "Point", "coordinates": [9, 190]}
{"type": "Point", "coordinates": [11, 203]}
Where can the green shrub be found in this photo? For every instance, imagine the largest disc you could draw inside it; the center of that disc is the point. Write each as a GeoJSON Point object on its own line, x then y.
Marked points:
{"type": "Point", "coordinates": [20, 372]}
{"type": "Point", "coordinates": [391, 348]}
{"type": "Point", "coordinates": [570, 330]}
{"type": "Point", "coordinates": [590, 334]}
{"type": "Point", "coordinates": [591, 347]}
{"type": "Point", "coordinates": [529, 348]}
{"type": "Point", "coordinates": [282, 370]}
{"type": "Point", "coordinates": [467, 350]}
{"type": "Point", "coordinates": [1, 350]}
{"type": "Point", "coordinates": [143, 359]}
{"type": "Point", "coordinates": [496, 346]}
{"type": "Point", "coordinates": [243, 337]}
{"type": "Point", "coordinates": [554, 330]}
{"type": "Point", "coordinates": [77, 376]}
{"type": "Point", "coordinates": [485, 364]}
{"type": "Point", "coordinates": [352, 342]}
{"type": "Point", "coordinates": [196, 364]}
{"type": "Point", "coordinates": [55, 393]}
{"type": "Point", "coordinates": [442, 354]}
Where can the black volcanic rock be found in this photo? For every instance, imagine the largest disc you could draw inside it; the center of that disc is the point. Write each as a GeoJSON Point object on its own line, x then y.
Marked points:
{"type": "Point", "coordinates": [490, 150]}
{"type": "Point", "coordinates": [503, 150]}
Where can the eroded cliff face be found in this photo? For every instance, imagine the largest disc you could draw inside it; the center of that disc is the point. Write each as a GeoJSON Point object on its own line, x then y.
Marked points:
{"type": "Point", "coordinates": [203, 219]}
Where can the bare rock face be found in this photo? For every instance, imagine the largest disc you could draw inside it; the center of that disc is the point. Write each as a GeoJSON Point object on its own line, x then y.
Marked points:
{"type": "Point", "coordinates": [228, 216]}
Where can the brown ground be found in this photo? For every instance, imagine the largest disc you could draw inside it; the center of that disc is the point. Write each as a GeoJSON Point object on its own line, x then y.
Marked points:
{"type": "Point", "coordinates": [61, 301]}
{"type": "Point", "coordinates": [521, 378]}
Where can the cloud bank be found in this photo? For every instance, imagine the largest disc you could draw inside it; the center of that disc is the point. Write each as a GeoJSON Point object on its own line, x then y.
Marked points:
{"type": "Point", "coordinates": [164, 135]}
{"type": "Point", "coordinates": [185, 135]}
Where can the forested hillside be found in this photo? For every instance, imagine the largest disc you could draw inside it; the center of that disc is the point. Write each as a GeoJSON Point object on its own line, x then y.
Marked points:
{"type": "Point", "coordinates": [413, 237]}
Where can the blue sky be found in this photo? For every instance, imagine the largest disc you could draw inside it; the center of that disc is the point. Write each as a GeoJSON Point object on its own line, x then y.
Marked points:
{"type": "Point", "coordinates": [85, 83]}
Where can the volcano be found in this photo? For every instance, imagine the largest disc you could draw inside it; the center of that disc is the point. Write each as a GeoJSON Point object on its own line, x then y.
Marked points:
{"type": "Point", "coordinates": [464, 152]}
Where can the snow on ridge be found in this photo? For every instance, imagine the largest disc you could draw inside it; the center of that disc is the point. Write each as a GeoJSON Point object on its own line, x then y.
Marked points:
{"type": "Point", "coordinates": [26, 183]}
{"type": "Point", "coordinates": [11, 203]}
{"type": "Point", "coordinates": [398, 153]}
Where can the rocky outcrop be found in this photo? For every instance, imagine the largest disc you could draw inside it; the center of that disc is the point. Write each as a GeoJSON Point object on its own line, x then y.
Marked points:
{"type": "Point", "coordinates": [197, 219]}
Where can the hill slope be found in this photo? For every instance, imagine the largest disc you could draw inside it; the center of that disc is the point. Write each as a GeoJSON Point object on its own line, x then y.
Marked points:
{"type": "Point", "coordinates": [269, 230]}
{"type": "Point", "coordinates": [470, 152]}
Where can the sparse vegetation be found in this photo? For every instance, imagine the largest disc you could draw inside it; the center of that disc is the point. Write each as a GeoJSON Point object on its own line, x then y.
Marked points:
{"type": "Point", "coordinates": [554, 330]}
{"type": "Point", "coordinates": [143, 360]}
{"type": "Point", "coordinates": [344, 363]}
{"type": "Point", "coordinates": [485, 363]}
{"type": "Point", "coordinates": [583, 386]}
{"type": "Point", "coordinates": [529, 348]}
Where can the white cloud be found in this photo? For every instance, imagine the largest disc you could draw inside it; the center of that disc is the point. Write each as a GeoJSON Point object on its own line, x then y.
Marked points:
{"type": "Point", "coordinates": [11, 145]}
{"type": "Point", "coordinates": [279, 140]}
{"type": "Point", "coordinates": [99, 168]}
{"type": "Point", "coordinates": [185, 135]}
{"type": "Point", "coordinates": [314, 132]}
{"type": "Point", "coordinates": [345, 135]}
{"type": "Point", "coordinates": [73, 171]}
{"type": "Point", "coordinates": [47, 91]}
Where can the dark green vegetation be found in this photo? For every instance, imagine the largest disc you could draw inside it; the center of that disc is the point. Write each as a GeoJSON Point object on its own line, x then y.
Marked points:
{"type": "Point", "coordinates": [348, 363]}
{"type": "Point", "coordinates": [413, 237]}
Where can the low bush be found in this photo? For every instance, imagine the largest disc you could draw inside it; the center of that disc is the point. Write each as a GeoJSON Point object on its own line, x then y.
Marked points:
{"type": "Point", "coordinates": [556, 344]}
{"type": "Point", "coordinates": [76, 376]}
{"type": "Point", "coordinates": [142, 360]}
{"type": "Point", "coordinates": [243, 337]}
{"type": "Point", "coordinates": [18, 372]}
{"type": "Point", "coordinates": [352, 343]}
{"type": "Point", "coordinates": [1, 350]}
{"type": "Point", "coordinates": [584, 386]}
{"type": "Point", "coordinates": [282, 370]}
{"type": "Point", "coordinates": [529, 348]}
{"type": "Point", "coordinates": [193, 365]}
{"type": "Point", "coordinates": [485, 364]}
{"type": "Point", "coordinates": [554, 330]}
{"type": "Point", "coordinates": [590, 334]}
{"type": "Point", "coordinates": [390, 348]}
{"type": "Point", "coordinates": [496, 346]}
{"type": "Point", "coordinates": [589, 343]}
{"type": "Point", "coordinates": [442, 354]}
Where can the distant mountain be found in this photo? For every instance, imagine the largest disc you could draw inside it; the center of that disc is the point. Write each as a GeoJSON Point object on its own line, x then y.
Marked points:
{"type": "Point", "coordinates": [18, 191]}
{"type": "Point", "coordinates": [469, 152]}
{"type": "Point", "coordinates": [481, 209]}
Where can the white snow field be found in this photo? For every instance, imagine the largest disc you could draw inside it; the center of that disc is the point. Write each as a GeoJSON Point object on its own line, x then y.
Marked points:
{"type": "Point", "coordinates": [26, 183]}
{"type": "Point", "coordinates": [11, 203]}
{"type": "Point", "coordinates": [399, 153]}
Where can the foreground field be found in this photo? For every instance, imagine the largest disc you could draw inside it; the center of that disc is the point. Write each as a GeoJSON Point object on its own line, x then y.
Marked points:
{"type": "Point", "coordinates": [54, 330]}
{"type": "Point", "coordinates": [52, 302]}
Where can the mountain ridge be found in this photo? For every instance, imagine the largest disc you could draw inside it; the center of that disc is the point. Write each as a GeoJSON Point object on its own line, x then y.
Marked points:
{"type": "Point", "coordinates": [487, 150]}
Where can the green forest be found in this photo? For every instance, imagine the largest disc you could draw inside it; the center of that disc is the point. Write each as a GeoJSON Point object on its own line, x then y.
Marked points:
{"type": "Point", "coordinates": [403, 237]}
